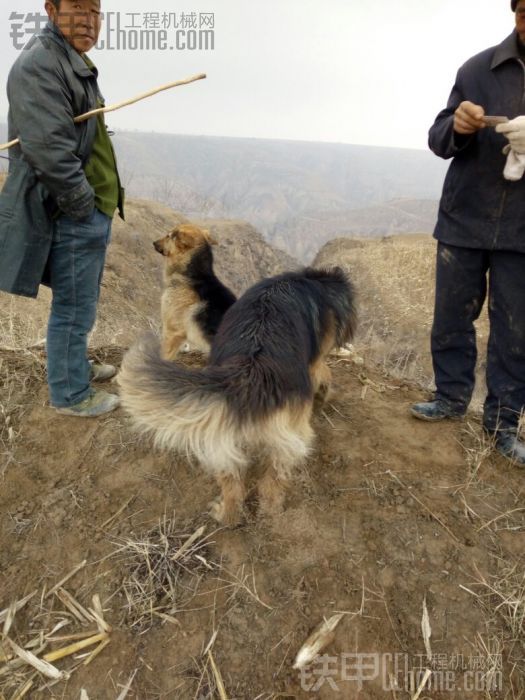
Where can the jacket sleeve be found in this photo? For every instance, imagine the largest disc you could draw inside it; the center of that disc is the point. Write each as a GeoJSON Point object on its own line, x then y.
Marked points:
{"type": "Point", "coordinates": [442, 138]}
{"type": "Point", "coordinates": [42, 112]}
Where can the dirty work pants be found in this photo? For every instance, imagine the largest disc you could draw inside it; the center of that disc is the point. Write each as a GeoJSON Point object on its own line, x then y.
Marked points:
{"type": "Point", "coordinates": [462, 278]}
{"type": "Point", "coordinates": [75, 265]}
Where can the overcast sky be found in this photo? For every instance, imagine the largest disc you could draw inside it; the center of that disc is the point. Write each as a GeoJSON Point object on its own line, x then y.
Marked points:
{"type": "Point", "coordinates": [351, 71]}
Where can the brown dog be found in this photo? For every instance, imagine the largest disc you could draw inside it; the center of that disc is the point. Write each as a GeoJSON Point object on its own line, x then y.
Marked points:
{"type": "Point", "coordinates": [194, 300]}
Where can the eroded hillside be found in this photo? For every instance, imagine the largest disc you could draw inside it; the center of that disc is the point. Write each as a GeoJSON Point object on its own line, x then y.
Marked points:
{"type": "Point", "coordinates": [132, 284]}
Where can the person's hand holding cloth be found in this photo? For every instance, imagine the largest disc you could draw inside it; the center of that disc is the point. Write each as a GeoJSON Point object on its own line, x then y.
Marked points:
{"type": "Point", "coordinates": [514, 130]}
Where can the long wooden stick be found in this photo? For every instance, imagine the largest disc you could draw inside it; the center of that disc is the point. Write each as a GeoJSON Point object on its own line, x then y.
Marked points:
{"type": "Point", "coordinates": [119, 105]}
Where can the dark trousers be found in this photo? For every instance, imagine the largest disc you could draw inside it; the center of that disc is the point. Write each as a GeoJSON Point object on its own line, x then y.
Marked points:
{"type": "Point", "coordinates": [462, 278]}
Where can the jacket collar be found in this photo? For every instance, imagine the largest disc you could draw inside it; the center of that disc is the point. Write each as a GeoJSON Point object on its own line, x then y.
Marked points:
{"type": "Point", "coordinates": [51, 31]}
{"type": "Point", "coordinates": [506, 51]}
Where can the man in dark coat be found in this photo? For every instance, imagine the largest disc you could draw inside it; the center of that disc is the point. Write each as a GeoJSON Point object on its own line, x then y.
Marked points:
{"type": "Point", "coordinates": [480, 232]}
{"type": "Point", "coordinates": [62, 189]}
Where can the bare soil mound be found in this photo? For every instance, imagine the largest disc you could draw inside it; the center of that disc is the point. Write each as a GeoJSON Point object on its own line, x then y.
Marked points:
{"type": "Point", "coordinates": [388, 513]}
{"type": "Point", "coordinates": [394, 278]}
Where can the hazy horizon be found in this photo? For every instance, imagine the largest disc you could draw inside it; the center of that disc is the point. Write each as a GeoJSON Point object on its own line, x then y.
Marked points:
{"type": "Point", "coordinates": [3, 126]}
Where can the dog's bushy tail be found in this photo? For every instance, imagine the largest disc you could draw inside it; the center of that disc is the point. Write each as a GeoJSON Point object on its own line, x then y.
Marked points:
{"type": "Point", "coordinates": [184, 409]}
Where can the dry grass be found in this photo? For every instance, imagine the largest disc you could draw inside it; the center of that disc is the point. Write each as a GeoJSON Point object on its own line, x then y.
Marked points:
{"type": "Point", "coordinates": [164, 567]}
{"type": "Point", "coordinates": [504, 595]}
{"type": "Point", "coordinates": [478, 447]}
{"type": "Point", "coordinates": [395, 282]}
{"type": "Point", "coordinates": [501, 598]}
{"type": "Point", "coordinates": [490, 650]}
{"type": "Point", "coordinates": [20, 373]}
{"type": "Point", "coordinates": [45, 638]}
{"type": "Point", "coordinates": [208, 679]}
{"type": "Point", "coordinates": [20, 327]}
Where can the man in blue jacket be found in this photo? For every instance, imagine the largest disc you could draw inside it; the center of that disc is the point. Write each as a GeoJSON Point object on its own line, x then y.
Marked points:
{"type": "Point", "coordinates": [62, 189]}
{"type": "Point", "coordinates": [481, 233]}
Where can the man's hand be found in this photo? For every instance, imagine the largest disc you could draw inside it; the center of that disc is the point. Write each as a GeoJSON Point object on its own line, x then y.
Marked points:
{"type": "Point", "coordinates": [468, 118]}
{"type": "Point", "coordinates": [515, 132]}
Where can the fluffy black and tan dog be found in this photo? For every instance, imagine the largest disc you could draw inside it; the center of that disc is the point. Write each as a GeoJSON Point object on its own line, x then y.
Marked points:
{"type": "Point", "coordinates": [267, 363]}
{"type": "Point", "coordinates": [194, 300]}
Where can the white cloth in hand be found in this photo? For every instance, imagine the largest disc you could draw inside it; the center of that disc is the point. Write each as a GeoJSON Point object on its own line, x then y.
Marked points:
{"type": "Point", "coordinates": [515, 165]}
{"type": "Point", "coordinates": [514, 130]}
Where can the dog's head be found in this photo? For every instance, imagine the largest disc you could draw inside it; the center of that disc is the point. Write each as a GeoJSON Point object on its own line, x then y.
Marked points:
{"type": "Point", "coordinates": [183, 240]}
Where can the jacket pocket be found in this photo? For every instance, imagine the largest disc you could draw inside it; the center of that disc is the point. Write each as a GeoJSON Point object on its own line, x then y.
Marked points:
{"type": "Point", "coordinates": [23, 203]}
{"type": "Point", "coordinates": [451, 188]}
{"type": "Point", "coordinates": [13, 188]}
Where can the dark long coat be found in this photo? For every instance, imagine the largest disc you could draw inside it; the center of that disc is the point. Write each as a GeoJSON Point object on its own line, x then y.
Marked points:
{"type": "Point", "coordinates": [48, 85]}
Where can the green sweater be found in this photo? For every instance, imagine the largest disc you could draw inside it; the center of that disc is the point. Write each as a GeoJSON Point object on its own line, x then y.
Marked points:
{"type": "Point", "coordinates": [101, 168]}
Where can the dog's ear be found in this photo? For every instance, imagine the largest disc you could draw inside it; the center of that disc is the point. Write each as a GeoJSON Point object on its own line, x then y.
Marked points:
{"type": "Point", "coordinates": [184, 239]}
{"type": "Point", "coordinates": [210, 238]}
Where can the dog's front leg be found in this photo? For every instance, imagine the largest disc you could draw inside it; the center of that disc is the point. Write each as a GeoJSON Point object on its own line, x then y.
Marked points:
{"type": "Point", "coordinates": [321, 376]}
{"type": "Point", "coordinates": [228, 510]}
{"type": "Point", "coordinates": [171, 345]}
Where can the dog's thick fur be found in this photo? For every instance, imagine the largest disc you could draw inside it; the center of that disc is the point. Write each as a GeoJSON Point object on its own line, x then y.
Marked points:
{"type": "Point", "coordinates": [194, 300]}
{"type": "Point", "coordinates": [267, 362]}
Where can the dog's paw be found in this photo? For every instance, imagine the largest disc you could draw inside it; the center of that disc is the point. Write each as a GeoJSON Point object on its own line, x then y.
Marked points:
{"type": "Point", "coordinates": [229, 517]}
{"type": "Point", "coordinates": [323, 394]}
{"type": "Point", "coordinates": [271, 501]}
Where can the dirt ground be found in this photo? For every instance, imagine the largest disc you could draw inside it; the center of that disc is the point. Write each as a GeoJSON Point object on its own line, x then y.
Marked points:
{"type": "Point", "coordinates": [388, 516]}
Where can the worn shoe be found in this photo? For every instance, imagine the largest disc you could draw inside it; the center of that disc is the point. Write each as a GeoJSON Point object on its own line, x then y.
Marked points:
{"type": "Point", "coordinates": [511, 447]}
{"type": "Point", "coordinates": [101, 373]}
{"type": "Point", "coordinates": [436, 410]}
{"type": "Point", "coordinates": [97, 404]}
